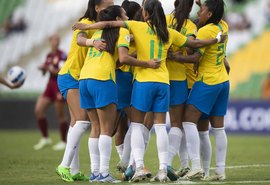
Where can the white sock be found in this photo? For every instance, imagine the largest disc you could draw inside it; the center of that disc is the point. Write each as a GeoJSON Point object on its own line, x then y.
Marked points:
{"type": "Point", "coordinates": [221, 148]}
{"type": "Point", "coordinates": [137, 144]}
{"type": "Point", "coordinates": [193, 144]}
{"type": "Point", "coordinates": [65, 157]}
{"type": "Point", "coordinates": [132, 161]}
{"type": "Point", "coordinates": [206, 151]}
{"type": "Point", "coordinates": [183, 151]}
{"type": "Point", "coordinates": [162, 145]}
{"type": "Point", "coordinates": [146, 135]}
{"type": "Point", "coordinates": [127, 147]}
{"type": "Point", "coordinates": [75, 163]}
{"type": "Point", "coordinates": [174, 135]}
{"type": "Point", "coordinates": [74, 139]}
{"type": "Point", "coordinates": [94, 155]}
{"type": "Point", "coordinates": [105, 150]}
{"type": "Point", "coordinates": [119, 150]}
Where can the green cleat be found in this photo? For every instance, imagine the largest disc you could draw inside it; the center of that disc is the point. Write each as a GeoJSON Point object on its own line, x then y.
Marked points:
{"type": "Point", "coordinates": [64, 174]}
{"type": "Point", "coordinates": [80, 177]}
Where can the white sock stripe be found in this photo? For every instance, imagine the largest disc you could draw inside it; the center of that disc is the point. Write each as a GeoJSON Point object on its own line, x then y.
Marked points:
{"type": "Point", "coordinates": [175, 131]}
{"type": "Point", "coordinates": [216, 129]}
{"type": "Point", "coordinates": [189, 123]}
{"type": "Point", "coordinates": [83, 122]}
{"type": "Point", "coordinates": [136, 124]}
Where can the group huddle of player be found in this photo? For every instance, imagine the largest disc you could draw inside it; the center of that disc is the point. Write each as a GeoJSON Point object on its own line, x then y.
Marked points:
{"type": "Point", "coordinates": [132, 64]}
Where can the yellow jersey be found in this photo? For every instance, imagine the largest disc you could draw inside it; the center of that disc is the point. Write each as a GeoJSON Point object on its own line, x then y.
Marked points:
{"type": "Point", "coordinates": [128, 68]}
{"type": "Point", "coordinates": [100, 65]}
{"type": "Point", "coordinates": [148, 46]}
{"type": "Point", "coordinates": [77, 54]}
{"type": "Point", "coordinates": [177, 71]}
{"type": "Point", "coordinates": [212, 69]}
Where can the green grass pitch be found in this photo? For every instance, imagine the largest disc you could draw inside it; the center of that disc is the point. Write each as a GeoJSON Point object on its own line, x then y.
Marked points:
{"type": "Point", "coordinates": [248, 160]}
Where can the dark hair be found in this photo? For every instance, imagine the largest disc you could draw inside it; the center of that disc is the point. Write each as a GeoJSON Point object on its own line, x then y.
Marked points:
{"type": "Point", "coordinates": [157, 19]}
{"type": "Point", "coordinates": [217, 9]}
{"type": "Point", "coordinates": [131, 8]}
{"type": "Point", "coordinates": [110, 35]}
{"type": "Point", "coordinates": [181, 12]}
{"type": "Point", "coordinates": [91, 13]}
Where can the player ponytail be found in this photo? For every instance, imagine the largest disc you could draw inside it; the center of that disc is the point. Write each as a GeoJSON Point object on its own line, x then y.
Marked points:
{"type": "Point", "coordinates": [217, 9]}
{"type": "Point", "coordinates": [156, 19]}
{"type": "Point", "coordinates": [91, 13]}
{"type": "Point", "coordinates": [110, 35]}
{"type": "Point", "coordinates": [131, 8]}
{"type": "Point", "coordinates": [181, 12]}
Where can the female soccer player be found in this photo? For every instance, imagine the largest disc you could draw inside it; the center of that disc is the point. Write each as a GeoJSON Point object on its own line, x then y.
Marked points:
{"type": "Point", "coordinates": [51, 95]}
{"type": "Point", "coordinates": [209, 94]}
{"type": "Point", "coordinates": [68, 82]}
{"type": "Point", "coordinates": [124, 78]}
{"type": "Point", "coordinates": [178, 20]}
{"type": "Point", "coordinates": [99, 72]}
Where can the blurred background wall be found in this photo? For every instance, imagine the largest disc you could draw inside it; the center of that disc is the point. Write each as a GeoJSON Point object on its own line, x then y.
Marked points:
{"type": "Point", "coordinates": [27, 24]}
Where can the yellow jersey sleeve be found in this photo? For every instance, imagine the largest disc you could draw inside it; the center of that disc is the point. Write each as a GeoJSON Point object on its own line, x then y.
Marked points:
{"type": "Point", "coordinates": [100, 65]}
{"type": "Point", "coordinates": [77, 54]}
{"type": "Point", "coordinates": [212, 69]}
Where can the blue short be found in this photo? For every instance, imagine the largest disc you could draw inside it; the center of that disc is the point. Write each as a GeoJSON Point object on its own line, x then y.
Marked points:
{"type": "Point", "coordinates": [178, 92]}
{"type": "Point", "coordinates": [210, 99]}
{"type": "Point", "coordinates": [151, 96]}
{"type": "Point", "coordinates": [124, 87]}
{"type": "Point", "coordinates": [66, 82]}
{"type": "Point", "coordinates": [96, 94]}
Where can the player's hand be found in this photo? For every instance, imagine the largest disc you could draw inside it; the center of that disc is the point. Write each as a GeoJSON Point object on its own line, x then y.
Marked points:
{"type": "Point", "coordinates": [14, 86]}
{"type": "Point", "coordinates": [221, 37]}
{"type": "Point", "coordinates": [79, 26]}
{"type": "Point", "coordinates": [154, 63]}
{"type": "Point", "coordinates": [100, 45]}
{"type": "Point", "coordinates": [196, 68]}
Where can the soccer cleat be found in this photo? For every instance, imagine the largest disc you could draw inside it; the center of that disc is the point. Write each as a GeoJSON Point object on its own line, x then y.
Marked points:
{"type": "Point", "coordinates": [79, 177]}
{"type": "Point", "coordinates": [128, 174]}
{"type": "Point", "coordinates": [193, 174]}
{"type": "Point", "coordinates": [107, 179]}
{"type": "Point", "coordinates": [64, 174]}
{"type": "Point", "coordinates": [215, 177]}
{"type": "Point", "coordinates": [93, 177]}
{"type": "Point", "coordinates": [121, 167]}
{"type": "Point", "coordinates": [138, 176]}
{"type": "Point", "coordinates": [160, 177]}
{"type": "Point", "coordinates": [147, 173]}
{"type": "Point", "coordinates": [171, 174]}
{"type": "Point", "coordinates": [183, 171]}
{"type": "Point", "coordinates": [43, 142]}
{"type": "Point", "coordinates": [59, 146]}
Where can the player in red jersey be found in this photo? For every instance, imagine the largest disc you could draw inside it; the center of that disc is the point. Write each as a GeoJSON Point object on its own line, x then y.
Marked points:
{"type": "Point", "coordinates": [53, 63]}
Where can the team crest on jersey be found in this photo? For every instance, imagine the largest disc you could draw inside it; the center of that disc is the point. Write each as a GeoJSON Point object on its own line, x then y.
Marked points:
{"type": "Point", "coordinates": [128, 38]}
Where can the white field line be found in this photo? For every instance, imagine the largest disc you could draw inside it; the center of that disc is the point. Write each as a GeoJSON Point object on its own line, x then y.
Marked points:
{"type": "Point", "coordinates": [223, 182]}
{"type": "Point", "coordinates": [246, 166]}
{"type": "Point", "coordinates": [218, 182]}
